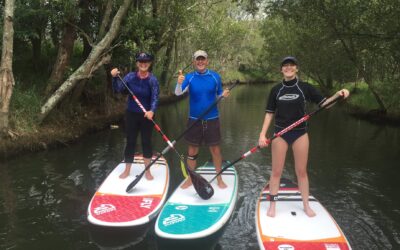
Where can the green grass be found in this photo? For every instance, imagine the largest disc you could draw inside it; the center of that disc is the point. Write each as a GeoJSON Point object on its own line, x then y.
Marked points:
{"type": "Point", "coordinates": [24, 108]}
{"type": "Point", "coordinates": [362, 97]}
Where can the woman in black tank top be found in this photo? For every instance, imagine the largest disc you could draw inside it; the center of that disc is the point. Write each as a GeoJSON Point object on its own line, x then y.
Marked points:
{"type": "Point", "coordinates": [287, 104]}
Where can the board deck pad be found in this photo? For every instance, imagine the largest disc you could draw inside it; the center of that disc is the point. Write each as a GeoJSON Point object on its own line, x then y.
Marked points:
{"type": "Point", "coordinates": [112, 206]}
{"type": "Point", "coordinates": [291, 228]}
{"type": "Point", "coordinates": [187, 216]}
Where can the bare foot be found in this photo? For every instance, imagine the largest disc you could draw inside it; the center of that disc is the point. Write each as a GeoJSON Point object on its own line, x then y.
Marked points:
{"type": "Point", "coordinates": [148, 175]}
{"type": "Point", "coordinates": [271, 210]}
{"type": "Point", "coordinates": [309, 212]}
{"type": "Point", "coordinates": [124, 174]}
{"type": "Point", "coordinates": [222, 185]}
{"type": "Point", "coordinates": [187, 183]}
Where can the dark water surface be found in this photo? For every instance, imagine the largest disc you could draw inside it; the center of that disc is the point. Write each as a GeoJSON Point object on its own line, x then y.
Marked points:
{"type": "Point", "coordinates": [353, 170]}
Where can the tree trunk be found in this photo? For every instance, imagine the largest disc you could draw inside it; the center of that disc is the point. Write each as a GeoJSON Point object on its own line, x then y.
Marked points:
{"type": "Point", "coordinates": [95, 59]}
{"type": "Point", "coordinates": [138, 4]}
{"type": "Point", "coordinates": [85, 24]}
{"type": "Point", "coordinates": [36, 51]}
{"type": "Point", "coordinates": [105, 20]}
{"type": "Point", "coordinates": [329, 81]}
{"type": "Point", "coordinates": [78, 90]}
{"type": "Point", "coordinates": [154, 8]}
{"type": "Point", "coordinates": [6, 75]}
{"type": "Point", "coordinates": [166, 63]}
{"type": "Point", "coordinates": [369, 82]}
{"type": "Point", "coordinates": [174, 67]}
{"type": "Point", "coordinates": [63, 58]}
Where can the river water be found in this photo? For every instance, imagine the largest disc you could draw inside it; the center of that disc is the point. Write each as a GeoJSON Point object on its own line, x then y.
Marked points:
{"type": "Point", "coordinates": [353, 171]}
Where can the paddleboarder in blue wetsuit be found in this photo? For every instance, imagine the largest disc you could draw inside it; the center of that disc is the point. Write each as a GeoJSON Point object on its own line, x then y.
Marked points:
{"type": "Point", "coordinates": [204, 87]}
{"type": "Point", "coordinates": [145, 87]}
{"type": "Point", "coordinates": [287, 104]}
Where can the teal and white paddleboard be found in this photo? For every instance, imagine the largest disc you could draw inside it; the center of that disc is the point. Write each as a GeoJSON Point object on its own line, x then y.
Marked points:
{"type": "Point", "coordinates": [187, 216]}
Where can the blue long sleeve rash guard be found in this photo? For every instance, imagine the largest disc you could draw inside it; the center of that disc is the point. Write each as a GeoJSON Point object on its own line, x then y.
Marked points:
{"type": "Point", "coordinates": [146, 90]}
{"type": "Point", "coordinates": [204, 89]}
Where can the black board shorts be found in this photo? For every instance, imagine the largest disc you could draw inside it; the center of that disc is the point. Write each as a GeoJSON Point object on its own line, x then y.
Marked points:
{"type": "Point", "coordinates": [204, 132]}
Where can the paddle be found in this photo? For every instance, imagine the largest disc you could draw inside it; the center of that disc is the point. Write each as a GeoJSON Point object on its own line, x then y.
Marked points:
{"type": "Point", "coordinates": [202, 187]}
{"type": "Point", "coordinates": [182, 70]}
{"type": "Point", "coordinates": [280, 133]}
{"type": "Point", "coordinates": [198, 119]}
{"type": "Point", "coordinates": [206, 111]}
{"type": "Point", "coordinates": [198, 181]}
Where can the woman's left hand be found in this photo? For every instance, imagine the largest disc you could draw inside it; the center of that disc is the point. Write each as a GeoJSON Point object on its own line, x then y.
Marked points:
{"type": "Point", "coordinates": [149, 115]}
{"type": "Point", "coordinates": [343, 92]}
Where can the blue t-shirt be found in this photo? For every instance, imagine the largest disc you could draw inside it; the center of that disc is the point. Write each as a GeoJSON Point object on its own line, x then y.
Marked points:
{"type": "Point", "coordinates": [204, 89]}
{"type": "Point", "coordinates": [146, 90]}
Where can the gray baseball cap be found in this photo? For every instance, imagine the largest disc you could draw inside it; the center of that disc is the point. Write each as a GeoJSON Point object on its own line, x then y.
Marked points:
{"type": "Point", "coordinates": [200, 53]}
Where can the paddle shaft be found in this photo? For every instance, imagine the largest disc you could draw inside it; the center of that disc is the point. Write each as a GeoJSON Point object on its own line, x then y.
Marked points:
{"type": "Point", "coordinates": [187, 66]}
{"type": "Point", "coordinates": [165, 138]}
{"type": "Point", "coordinates": [170, 145]}
{"type": "Point", "coordinates": [205, 112]}
{"type": "Point", "coordinates": [165, 150]}
{"type": "Point", "coordinates": [280, 133]}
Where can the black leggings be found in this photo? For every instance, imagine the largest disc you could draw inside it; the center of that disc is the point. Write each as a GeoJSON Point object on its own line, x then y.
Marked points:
{"type": "Point", "coordinates": [135, 123]}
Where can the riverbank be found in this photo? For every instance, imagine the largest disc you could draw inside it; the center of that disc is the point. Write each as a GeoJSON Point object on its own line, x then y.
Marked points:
{"type": "Point", "coordinates": [57, 134]}
{"type": "Point", "coordinates": [373, 116]}
{"type": "Point", "coordinates": [61, 132]}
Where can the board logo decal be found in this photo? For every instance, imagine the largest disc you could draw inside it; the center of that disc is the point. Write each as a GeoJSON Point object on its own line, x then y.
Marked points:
{"type": "Point", "coordinates": [146, 203]}
{"type": "Point", "coordinates": [289, 97]}
{"type": "Point", "coordinates": [332, 246]}
{"type": "Point", "coordinates": [173, 219]}
{"type": "Point", "coordinates": [181, 207]}
{"type": "Point", "coordinates": [285, 247]}
{"type": "Point", "coordinates": [213, 209]}
{"type": "Point", "coordinates": [104, 208]}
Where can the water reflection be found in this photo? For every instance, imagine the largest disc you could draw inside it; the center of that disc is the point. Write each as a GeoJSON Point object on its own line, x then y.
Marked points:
{"type": "Point", "coordinates": [353, 168]}
{"type": "Point", "coordinates": [121, 238]}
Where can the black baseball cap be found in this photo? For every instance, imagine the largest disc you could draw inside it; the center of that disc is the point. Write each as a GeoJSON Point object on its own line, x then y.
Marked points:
{"type": "Point", "coordinates": [291, 59]}
{"type": "Point", "coordinates": [143, 57]}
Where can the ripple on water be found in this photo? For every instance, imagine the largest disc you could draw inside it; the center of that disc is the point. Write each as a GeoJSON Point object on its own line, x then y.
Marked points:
{"type": "Point", "coordinates": [360, 223]}
{"type": "Point", "coordinates": [241, 232]}
{"type": "Point", "coordinates": [76, 177]}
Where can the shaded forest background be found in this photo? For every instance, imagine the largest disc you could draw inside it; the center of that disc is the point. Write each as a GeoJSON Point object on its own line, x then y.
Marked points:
{"type": "Point", "coordinates": [63, 50]}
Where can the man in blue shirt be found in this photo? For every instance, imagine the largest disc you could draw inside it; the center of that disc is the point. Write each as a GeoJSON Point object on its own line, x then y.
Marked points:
{"type": "Point", "coordinates": [204, 87]}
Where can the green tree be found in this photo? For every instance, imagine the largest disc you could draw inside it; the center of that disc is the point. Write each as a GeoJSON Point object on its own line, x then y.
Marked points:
{"type": "Point", "coordinates": [96, 59]}
{"type": "Point", "coordinates": [368, 38]}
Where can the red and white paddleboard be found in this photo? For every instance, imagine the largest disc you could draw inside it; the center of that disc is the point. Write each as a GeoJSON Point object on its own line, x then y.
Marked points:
{"type": "Point", "coordinates": [112, 206]}
{"type": "Point", "coordinates": [291, 228]}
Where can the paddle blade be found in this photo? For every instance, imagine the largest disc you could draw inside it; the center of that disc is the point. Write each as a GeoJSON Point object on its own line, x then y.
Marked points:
{"type": "Point", "coordinates": [139, 176]}
{"type": "Point", "coordinates": [201, 185]}
{"type": "Point", "coordinates": [134, 182]}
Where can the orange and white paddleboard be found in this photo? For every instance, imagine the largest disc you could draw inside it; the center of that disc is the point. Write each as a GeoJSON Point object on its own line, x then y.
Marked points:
{"type": "Point", "coordinates": [291, 228]}
{"type": "Point", "coordinates": [112, 206]}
